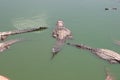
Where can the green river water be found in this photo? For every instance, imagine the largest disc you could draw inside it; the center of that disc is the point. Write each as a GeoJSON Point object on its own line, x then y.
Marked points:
{"type": "Point", "coordinates": [90, 24]}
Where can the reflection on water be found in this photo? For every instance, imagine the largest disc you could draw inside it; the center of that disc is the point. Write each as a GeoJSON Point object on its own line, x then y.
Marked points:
{"type": "Point", "coordinates": [35, 21]}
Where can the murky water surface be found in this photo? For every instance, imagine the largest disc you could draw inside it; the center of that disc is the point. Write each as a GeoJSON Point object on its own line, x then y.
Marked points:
{"type": "Point", "coordinates": [90, 24]}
